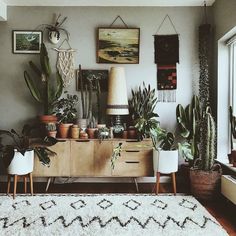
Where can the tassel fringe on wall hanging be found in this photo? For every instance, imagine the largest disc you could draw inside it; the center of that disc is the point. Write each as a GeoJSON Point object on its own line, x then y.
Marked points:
{"type": "Point", "coordinates": [65, 64]}
{"type": "Point", "coordinates": [166, 57]}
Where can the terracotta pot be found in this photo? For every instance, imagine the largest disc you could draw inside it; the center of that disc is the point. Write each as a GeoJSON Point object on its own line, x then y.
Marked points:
{"type": "Point", "coordinates": [132, 133]}
{"type": "Point", "coordinates": [232, 157]}
{"type": "Point", "coordinates": [48, 119]}
{"type": "Point", "coordinates": [75, 131]}
{"type": "Point", "coordinates": [83, 135]}
{"type": "Point", "coordinates": [21, 165]}
{"type": "Point", "coordinates": [91, 132]}
{"type": "Point", "coordinates": [64, 130]}
{"type": "Point", "coordinates": [205, 184]}
{"type": "Point", "coordinates": [52, 134]}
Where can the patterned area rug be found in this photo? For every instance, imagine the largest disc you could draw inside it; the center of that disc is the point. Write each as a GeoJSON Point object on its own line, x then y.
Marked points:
{"type": "Point", "coordinates": [106, 214]}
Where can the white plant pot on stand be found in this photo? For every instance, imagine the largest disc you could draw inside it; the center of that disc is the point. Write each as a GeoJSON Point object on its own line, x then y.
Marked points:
{"type": "Point", "coordinates": [165, 162]}
{"type": "Point", "coordinates": [21, 165]}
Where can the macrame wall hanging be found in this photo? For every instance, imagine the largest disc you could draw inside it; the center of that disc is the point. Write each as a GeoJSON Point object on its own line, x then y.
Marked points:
{"type": "Point", "coordinates": [65, 63]}
{"type": "Point", "coordinates": [166, 57]}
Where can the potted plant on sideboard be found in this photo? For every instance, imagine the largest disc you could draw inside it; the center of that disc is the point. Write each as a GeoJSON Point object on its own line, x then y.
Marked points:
{"type": "Point", "coordinates": [44, 89]}
{"type": "Point", "coordinates": [141, 107]}
{"type": "Point", "coordinates": [65, 110]}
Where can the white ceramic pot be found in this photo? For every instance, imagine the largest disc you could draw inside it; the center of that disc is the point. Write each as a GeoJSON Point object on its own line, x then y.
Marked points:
{"type": "Point", "coordinates": [21, 165]}
{"type": "Point", "coordinates": [165, 162]}
{"type": "Point", "coordinates": [54, 36]}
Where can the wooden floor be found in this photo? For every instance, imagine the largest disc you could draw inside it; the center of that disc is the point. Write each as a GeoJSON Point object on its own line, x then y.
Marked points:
{"type": "Point", "coordinates": [221, 209]}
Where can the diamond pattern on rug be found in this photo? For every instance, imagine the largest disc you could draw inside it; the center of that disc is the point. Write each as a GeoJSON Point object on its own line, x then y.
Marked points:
{"type": "Point", "coordinates": [78, 204]}
{"type": "Point", "coordinates": [104, 204]}
{"type": "Point", "coordinates": [159, 204]}
{"type": "Point", "coordinates": [47, 205]}
{"type": "Point", "coordinates": [132, 204]}
{"type": "Point", "coordinates": [106, 215]}
{"type": "Point", "coordinates": [188, 204]}
{"type": "Point", "coordinates": [20, 204]}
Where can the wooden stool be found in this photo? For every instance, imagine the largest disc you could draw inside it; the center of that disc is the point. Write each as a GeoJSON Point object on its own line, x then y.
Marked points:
{"type": "Point", "coordinates": [158, 175]}
{"type": "Point", "coordinates": [15, 183]}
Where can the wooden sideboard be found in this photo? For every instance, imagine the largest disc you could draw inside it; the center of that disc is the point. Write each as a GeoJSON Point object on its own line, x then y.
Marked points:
{"type": "Point", "coordinates": [92, 158]}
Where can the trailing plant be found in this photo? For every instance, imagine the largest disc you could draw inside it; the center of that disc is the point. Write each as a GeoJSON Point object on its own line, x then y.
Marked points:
{"type": "Point", "coordinates": [44, 89]}
{"type": "Point", "coordinates": [20, 143]}
{"type": "Point", "coordinates": [188, 121]}
{"type": "Point", "coordinates": [141, 106]}
{"type": "Point", "coordinates": [115, 155]}
{"type": "Point", "coordinates": [162, 139]}
{"type": "Point", "coordinates": [65, 109]}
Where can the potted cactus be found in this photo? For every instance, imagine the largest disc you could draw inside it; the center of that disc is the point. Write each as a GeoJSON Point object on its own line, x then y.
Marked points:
{"type": "Point", "coordinates": [44, 89]}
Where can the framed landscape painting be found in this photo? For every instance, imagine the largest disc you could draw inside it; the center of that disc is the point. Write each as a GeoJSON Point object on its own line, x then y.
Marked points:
{"type": "Point", "coordinates": [26, 41]}
{"type": "Point", "coordinates": [93, 75]}
{"type": "Point", "coordinates": [118, 45]}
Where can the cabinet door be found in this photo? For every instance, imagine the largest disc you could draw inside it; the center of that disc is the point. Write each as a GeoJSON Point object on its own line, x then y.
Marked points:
{"type": "Point", "coordinates": [102, 158]}
{"type": "Point", "coordinates": [82, 158]}
{"type": "Point", "coordinates": [60, 164]}
{"type": "Point", "coordinates": [134, 163]}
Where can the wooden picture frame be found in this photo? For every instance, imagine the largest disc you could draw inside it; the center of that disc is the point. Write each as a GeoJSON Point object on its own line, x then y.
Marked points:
{"type": "Point", "coordinates": [101, 75]}
{"type": "Point", "coordinates": [118, 45]}
{"type": "Point", "coordinates": [26, 42]}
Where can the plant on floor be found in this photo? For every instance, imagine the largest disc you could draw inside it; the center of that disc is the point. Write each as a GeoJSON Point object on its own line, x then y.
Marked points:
{"type": "Point", "coordinates": [44, 89]}
{"type": "Point", "coordinates": [20, 142]}
{"type": "Point", "coordinates": [188, 121]}
{"type": "Point", "coordinates": [141, 106]}
{"type": "Point", "coordinates": [65, 108]}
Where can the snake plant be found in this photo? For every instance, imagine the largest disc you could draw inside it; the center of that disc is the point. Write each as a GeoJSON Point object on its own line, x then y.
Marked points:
{"type": "Point", "coordinates": [42, 86]}
{"type": "Point", "coordinates": [141, 106]}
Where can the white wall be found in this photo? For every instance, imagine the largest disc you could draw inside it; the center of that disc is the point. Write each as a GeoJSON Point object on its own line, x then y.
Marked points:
{"type": "Point", "coordinates": [16, 104]}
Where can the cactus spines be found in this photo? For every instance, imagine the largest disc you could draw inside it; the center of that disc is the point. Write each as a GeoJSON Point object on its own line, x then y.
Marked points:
{"type": "Point", "coordinates": [44, 90]}
{"type": "Point", "coordinates": [208, 141]}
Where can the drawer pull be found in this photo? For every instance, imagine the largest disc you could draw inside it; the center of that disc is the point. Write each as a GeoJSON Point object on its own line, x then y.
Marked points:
{"type": "Point", "coordinates": [132, 141]}
{"type": "Point", "coordinates": [132, 150]}
{"type": "Point", "coordinates": [61, 141]}
{"type": "Point", "coordinates": [82, 141]}
{"type": "Point", "coordinates": [132, 162]}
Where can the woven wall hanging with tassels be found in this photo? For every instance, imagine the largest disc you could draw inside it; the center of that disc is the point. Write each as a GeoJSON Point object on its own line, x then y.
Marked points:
{"type": "Point", "coordinates": [166, 57]}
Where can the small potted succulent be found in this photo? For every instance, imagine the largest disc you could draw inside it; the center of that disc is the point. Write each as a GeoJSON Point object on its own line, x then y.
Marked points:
{"type": "Point", "coordinates": [51, 129]}
{"type": "Point", "coordinates": [66, 113]}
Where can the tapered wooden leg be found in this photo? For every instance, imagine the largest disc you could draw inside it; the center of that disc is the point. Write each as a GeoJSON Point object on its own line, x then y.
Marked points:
{"type": "Point", "coordinates": [31, 184]}
{"type": "Point", "coordinates": [15, 186]}
{"type": "Point", "coordinates": [48, 183]}
{"type": "Point", "coordinates": [25, 183]}
{"type": "Point", "coordinates": [8, 183]}
{"type": "Point", "coordinates": [158, 174]}
{"type": "Point", "coordinates": [174, 182]}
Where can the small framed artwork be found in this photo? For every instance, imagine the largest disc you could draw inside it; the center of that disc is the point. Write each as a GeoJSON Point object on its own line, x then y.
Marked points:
{"type": "Point", "coordinates": [28, 42]}
{"type": "Point", "coordinates": [118, 45]}
{"type": "Point", "coordinates": [100, 76]}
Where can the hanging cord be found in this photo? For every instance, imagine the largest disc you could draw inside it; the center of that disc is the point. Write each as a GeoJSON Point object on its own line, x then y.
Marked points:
{"type": "Point", "coordinates": [118, 17]}
{"type": "Point", "coordinates": [167, 16]}
{"type": "Point", "coordinates": [205, 12]}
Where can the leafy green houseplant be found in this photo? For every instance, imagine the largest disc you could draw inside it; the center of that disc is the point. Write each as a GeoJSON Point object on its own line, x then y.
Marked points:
{"type": "Point", "coordinates": [43, 88]}
{"type": "Point", "coordinates": [141, 106]}
{"type": "Point", "coordinates": [20, 143]}
{"type": "Point", "coordinates": [65, 110]}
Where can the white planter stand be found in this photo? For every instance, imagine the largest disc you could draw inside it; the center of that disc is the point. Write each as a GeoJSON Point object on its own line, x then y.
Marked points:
{"type": "Point", "coordinates": [165, 162]}
{"type": "Point", "coordinates": [21, 166]}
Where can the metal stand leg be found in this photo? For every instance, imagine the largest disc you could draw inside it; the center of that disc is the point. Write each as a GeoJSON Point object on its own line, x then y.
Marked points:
{"type": "Point", "coordinates": [136, 185]}
{"type": "Point", "coordinates": [48, 183]}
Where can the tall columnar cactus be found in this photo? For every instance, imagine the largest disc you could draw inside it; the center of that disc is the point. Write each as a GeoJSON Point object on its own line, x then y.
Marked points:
{"type": "Point", "coordinates": [188, 120]}
{"type": "Point", "coordinates": [44, 90]}
{"type": "Point", "coordinates": [208, 141]}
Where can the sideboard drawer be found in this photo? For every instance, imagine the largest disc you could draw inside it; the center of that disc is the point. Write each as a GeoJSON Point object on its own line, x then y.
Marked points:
{"type": "Point", "coordinates": [133, 145]}
{"type": "Point", "coordinates": [134, 163]}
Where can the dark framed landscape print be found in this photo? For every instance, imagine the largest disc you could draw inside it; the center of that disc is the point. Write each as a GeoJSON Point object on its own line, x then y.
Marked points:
{"type": "Point", "coordinates": [118, 45]}
{"type": "Point", "coordinates": [26, 41]}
